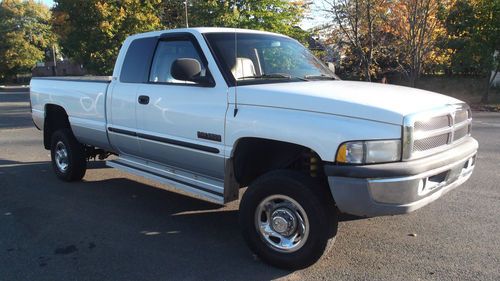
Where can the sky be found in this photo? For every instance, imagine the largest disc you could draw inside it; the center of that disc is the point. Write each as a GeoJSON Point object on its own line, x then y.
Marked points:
{"type": "Point", "coordinates": [48, 2]}
{"type": "Point", "coordinates": [307, 23]}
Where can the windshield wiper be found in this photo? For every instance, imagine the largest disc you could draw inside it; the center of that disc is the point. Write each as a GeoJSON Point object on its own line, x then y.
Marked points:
{"type": "Point", "coordinates": [322, 77]}
{"type": "Point", "coordinates": [273, 76]}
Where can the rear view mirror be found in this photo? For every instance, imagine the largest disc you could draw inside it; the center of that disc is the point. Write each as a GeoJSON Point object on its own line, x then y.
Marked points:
{"type": "Point", "coordinates": [188, 69]}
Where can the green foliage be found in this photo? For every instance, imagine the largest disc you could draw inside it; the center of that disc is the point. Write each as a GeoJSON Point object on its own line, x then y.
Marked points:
{"type": "Point", "coordinates": [173, 14]}
{"type": "Point", "coordinates": [281, 16]}
{"type": "Point", "coordinates": [474, 35]}
{"type": "Point", "coordinates": [25, 34]}
{"type": "Point", "coordinates": [92, 31]}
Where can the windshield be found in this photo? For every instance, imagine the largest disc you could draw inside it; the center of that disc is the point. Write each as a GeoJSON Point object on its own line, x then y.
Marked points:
{"type": "Point", "coordinates": [252, 58]}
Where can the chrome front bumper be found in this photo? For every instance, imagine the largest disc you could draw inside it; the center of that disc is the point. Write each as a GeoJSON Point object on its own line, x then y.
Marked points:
{"type": "Point", "coordinates": [378, 196]}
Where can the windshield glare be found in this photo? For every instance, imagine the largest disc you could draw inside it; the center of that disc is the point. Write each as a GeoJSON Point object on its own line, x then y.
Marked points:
{"type": "Point", "coordinates": [248, 58]}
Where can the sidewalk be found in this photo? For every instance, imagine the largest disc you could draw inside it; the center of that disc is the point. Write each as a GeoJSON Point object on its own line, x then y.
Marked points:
{"type": "Point", "coordinates": [17, 88]}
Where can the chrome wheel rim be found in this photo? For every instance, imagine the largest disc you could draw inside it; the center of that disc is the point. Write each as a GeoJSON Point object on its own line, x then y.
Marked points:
{"type": "Point", "coordinates": [61, 157]}
{"type": "Point", "coordinates": [282, 223]}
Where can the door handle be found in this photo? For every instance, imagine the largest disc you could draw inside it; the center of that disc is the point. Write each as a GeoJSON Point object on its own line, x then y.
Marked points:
{"type": "Point", "coordinates": [143, 99]}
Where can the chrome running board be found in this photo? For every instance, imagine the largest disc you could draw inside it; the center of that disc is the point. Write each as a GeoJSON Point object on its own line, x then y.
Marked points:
{"type": "Point", "coordinates": [208, 189]}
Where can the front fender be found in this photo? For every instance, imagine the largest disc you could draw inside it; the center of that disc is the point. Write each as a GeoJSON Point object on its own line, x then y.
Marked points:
{"type": "Point", "coordinates": [320, 132]}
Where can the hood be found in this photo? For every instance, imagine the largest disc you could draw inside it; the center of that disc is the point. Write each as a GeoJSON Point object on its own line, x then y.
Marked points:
{"type": "Point", "coordinates": [373, 101]}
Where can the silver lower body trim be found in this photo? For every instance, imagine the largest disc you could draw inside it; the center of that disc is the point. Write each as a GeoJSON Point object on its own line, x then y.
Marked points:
{"type": "Point", "coordinates": [209, 190]}
{"type": "Point", "coordinates": [399, 195]}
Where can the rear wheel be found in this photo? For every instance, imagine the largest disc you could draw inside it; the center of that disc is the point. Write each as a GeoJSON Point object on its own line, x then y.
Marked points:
{"type": "Point", "coordinates": [68, 156]}
{"type": "Point", "coordinates": [285, 220]}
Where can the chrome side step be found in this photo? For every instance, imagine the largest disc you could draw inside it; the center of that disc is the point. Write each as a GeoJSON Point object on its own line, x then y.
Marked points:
{"type": "Point", "coordinates": [208, 189]}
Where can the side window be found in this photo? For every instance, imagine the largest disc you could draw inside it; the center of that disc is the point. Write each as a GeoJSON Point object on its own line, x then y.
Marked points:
{"type": "Point", "coordinates": [135, 68]}
{"type": "Point", "coordinates": [166, 53]}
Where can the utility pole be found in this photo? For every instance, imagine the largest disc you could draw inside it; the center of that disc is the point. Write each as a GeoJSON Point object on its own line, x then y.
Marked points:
{"type": "Point", "coordinates": [186, 10]}
{"type": "Point", "coordinates": [54, 67]}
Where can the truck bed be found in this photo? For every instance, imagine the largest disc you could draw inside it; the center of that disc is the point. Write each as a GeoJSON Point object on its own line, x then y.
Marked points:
{"type": "Point", "coordinates": [83, 98]}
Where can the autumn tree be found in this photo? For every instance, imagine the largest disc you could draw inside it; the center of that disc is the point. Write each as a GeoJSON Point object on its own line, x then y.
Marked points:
{"type": "Point", "coordinates": [92, 31]}
{"type": "Point", "coordinates": [417, 25]}
{"type": "Point", "coordinates": [25, 34]}
{"type": "Point", "coordinates": [389, 35]}
{"type": "Point", "coordinates": [357, 23]}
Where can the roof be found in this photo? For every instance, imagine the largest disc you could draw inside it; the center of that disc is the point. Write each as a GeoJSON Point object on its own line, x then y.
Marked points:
{"type": "Point", "coordinates": [203, 30]}
{"type": "Point", "coordinates": [228, 30]}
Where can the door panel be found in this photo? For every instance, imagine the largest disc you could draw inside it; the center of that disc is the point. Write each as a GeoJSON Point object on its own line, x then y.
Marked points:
{"type": "Point", "coordinates": [182, 125]}
{"type": "Point", "coordinates": [168, 127]}
{"type": "Point", "coordinates": [122, 101]}
{"type": "Point", "coordinates": [122, 118]}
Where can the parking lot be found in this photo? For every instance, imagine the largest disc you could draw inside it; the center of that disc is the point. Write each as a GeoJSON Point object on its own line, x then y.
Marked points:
{"type": "Point", "coordinates": [113, 226]}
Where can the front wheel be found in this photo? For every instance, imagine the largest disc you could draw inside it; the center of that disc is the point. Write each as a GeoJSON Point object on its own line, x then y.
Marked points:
{"type": "Point", "coordinates": [285, 220]}
{"type": "Point", "coordinates": [68, 156]}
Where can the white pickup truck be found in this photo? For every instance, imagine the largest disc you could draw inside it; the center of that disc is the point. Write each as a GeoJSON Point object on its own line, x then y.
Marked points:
{"type": "Point", "coordinates": [211, 110]}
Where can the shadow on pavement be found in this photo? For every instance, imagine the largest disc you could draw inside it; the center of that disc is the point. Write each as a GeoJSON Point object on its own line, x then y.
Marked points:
{"type": "Point", "coordinates": [347, 217]}
{"type": "Point", "coordinates": [116, 229]}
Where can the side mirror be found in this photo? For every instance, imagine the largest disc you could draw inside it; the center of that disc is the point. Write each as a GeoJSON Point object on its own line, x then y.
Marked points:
{"type": "Point", "coordinates": [187, 69]}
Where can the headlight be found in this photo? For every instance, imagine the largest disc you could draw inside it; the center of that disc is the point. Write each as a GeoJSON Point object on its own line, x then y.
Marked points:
{"type": "Point", "coordinates": [367, 152]}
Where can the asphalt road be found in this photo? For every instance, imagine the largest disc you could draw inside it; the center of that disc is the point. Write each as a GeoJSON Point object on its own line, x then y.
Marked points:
{"type": "Point", "coordinates": [113, 226]}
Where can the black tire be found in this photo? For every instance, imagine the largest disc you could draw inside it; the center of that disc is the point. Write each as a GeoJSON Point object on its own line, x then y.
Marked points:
{"type": "Point", "coordinates": [310, 195]}
{"type": "Point", "coordinates": [76, 159]}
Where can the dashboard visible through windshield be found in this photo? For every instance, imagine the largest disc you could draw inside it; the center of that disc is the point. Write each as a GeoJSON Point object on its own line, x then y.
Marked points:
{"type": "Point", "coordinates": [256, 58]}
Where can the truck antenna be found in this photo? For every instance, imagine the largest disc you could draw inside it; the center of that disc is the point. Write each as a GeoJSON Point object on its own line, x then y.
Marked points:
{"type": "Point", "coordinates": [235, 80]}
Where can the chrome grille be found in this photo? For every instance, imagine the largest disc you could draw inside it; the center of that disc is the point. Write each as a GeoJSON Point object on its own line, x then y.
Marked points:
{"type": "Point", "coordinates": [426, 133]}
{"type": "Point", "coordinates": [431, 142]}
{"type": "Point", "coordinates": [461, 116]}
{"type": "Point", "coordinates": [433, 124]}
{"type": "Point", "coordinates": [461, 133]}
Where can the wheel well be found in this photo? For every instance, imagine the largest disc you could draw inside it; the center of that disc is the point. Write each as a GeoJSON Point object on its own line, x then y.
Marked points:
{"type": "Point", "coordinates": [55, 119]}
{"type": "Point", "coordinates": [254, 157]}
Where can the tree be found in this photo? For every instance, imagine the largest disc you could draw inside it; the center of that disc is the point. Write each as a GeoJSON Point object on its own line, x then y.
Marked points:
{"type": "Point", "coordinates": [173, 14]}
{"type": "Point", "coordinates": [357, 23]}
{"type": "Point", "coordinates": [92, 31]}
{"type": "Point", "coordinates": [379, 36]}
{"type": "Point", "coordinates": [26, 34]}
{"type": "Point", "coordinates": [418, 27]}
{"type": "Point", "coordinates": [474, 37]}
{"type": "Point", "coordinates": [281, 16]}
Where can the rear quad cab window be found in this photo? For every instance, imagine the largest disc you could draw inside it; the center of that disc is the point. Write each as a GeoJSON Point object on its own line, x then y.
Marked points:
{"type": "Point", "coordinates": [135, 68]}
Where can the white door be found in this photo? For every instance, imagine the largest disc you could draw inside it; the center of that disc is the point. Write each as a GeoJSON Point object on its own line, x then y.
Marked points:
{"type": "Point", "coordinates": [181, 123]}
{"type": "Point", "coordinates": [121, 118]}
{"type": "Point", "coordinates": [121, 100]}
